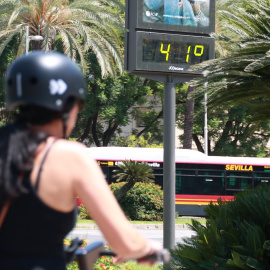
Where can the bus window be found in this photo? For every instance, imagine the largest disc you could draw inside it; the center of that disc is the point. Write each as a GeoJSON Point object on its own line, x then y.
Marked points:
{"type": "Point", "coordinates": [244, 183]}
{"type": "Point", "coordinates": [211, 182]}
{"type": "Point", "coordinates": [105, 171]}
{"type": "Point", "coordinates": [186, 182]}
{"type": "Point", "coordinates": [261, 178]}
{"type": "Point", "coordinates": [237, 181]}
{"type": "Point", "coordinates": [177, 183]}
{"type": "Point", "coordinates": [158, 173]}
{"type": "Point", "coordinates": [209, 185]}
{"type": "Point", "coordinates": [111, 178]}
{"type": "Point", "coordinates": [159, 180]}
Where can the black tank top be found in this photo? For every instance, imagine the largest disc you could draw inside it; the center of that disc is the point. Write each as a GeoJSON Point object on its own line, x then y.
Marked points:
{"type": "Point", "coordinates": [32, 234]}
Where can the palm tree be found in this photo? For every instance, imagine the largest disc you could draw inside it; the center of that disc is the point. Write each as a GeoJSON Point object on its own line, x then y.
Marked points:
{"type": "Point", "coordinates": [71, 26]}
{"type": "Point", "coordinates": [189, 112]}
{"type": "Point", "coordinates": [132, 172]}
{"type": "Point", "coordinates": [242, 73]}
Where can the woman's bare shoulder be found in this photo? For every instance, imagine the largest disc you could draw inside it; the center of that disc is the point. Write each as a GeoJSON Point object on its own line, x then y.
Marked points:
{"type": "Point", "coordinates": [66, 145]}
{"type": "Point", "coordinates": [71, 150]}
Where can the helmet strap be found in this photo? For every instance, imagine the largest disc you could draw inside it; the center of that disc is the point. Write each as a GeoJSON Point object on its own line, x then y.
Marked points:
{"type": "Point", "coordinates": [65, 117]}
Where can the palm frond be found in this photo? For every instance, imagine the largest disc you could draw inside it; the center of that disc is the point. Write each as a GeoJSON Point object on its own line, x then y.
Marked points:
{"type": "Point", "coordinates": [6, 38]}
{"type": "Point", "coordinates": [242, 73]}
{"type": "Point", "coordinates": [81, 26]}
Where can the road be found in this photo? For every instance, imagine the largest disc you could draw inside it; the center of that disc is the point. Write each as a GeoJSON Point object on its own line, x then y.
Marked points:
{"type": "Point", "coordinates": [93, 235]}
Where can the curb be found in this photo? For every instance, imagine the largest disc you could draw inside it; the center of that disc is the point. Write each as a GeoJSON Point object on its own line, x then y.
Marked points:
{"type": "Point", "coordinates": [158, 226]}
{"type": "Point", "coordinates": [137, 226]}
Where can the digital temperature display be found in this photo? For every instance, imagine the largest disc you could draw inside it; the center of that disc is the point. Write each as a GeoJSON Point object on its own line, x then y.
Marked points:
{"type": "Point", "coordinates": [168, 52]}
{"type": "Point", "coordinates": [174, 52]}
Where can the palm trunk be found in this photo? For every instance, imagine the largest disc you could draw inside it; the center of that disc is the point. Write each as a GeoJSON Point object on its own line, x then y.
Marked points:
{"type": "Point", "coordinates": [188, 125]}
{"type": "Point", "coordinates": [124, 189]}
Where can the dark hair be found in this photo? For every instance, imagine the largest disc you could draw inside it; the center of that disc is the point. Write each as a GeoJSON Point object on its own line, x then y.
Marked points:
{"type": "Point", "coordinates": [18, 144]}
{"type": "Point", "coordinates": [17, 149]}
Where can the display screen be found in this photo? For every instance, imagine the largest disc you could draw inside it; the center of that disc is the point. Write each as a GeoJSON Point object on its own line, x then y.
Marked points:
{"type": "Point", "coordinates": [171, 53]}
{"type": "Point", "coordinates": [193, 16]}
{"type": "Point", "coordinates": [174, 52]}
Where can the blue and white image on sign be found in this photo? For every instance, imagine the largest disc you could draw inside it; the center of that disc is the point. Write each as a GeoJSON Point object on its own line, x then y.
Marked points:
{"type": "Point", "coordinates": [177, 12]}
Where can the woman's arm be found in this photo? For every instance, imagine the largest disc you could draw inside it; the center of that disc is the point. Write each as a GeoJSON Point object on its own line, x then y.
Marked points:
{"type": "Point", "coordinates": [92, 188]}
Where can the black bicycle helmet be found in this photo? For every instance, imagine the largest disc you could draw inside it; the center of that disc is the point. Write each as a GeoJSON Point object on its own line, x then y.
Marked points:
{"type": "Point", "coordinates": [46, 79]}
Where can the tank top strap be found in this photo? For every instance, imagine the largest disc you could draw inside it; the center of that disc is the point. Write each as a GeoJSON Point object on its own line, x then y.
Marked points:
{"type": "Point", "coordinates": [41, 165]}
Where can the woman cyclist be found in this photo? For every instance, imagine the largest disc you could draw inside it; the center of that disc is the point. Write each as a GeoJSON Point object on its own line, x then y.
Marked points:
{"type": "Point", "coordinates": [41, 173]}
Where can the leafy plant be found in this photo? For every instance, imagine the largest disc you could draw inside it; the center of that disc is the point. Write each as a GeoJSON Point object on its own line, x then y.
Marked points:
{"type": "Point", "coordinates": [132, 172]}
{"type": "Point", "coordinates": [83, 213]}
{"type": "Point", "coordinates": [236, 235]}
{"type": "Point", "coordinates": [143, 202]}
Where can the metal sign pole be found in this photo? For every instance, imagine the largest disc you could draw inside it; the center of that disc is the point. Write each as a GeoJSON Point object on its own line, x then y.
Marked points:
{"type": "Point", "coordinates": [27, 40]}
{"type": "Point", "coordinates": [169, 164]}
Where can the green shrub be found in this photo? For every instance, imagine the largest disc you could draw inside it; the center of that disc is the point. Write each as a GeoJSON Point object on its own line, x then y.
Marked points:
{"type": "Point", "coordinates": [83, 213]}
{"type": "Point", "coordinates": [236, 235]}
{"type": "Point", "coordinates": [142, 202]}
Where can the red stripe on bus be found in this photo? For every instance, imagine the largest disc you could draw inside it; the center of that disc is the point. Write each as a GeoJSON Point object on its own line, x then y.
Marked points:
{"type": "Point", "coordinates": [203, 197]}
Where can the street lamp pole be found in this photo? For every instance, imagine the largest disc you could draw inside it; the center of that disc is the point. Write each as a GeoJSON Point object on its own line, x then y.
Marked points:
{"type": "Point", "coordinates": [28, 38]}
{"type": "Point", "coordinates": [205, 121]}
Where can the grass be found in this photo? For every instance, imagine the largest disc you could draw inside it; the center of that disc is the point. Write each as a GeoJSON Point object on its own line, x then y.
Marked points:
{"type": "Point", "coordinates": [85, 221]}
{"type": "Point", "coordinates": [182, 220]}
{"type": "Point", "coordinates": [177, 221]}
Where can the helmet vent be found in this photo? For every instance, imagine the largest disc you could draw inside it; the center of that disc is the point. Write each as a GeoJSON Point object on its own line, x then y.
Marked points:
{"type": "Point", "coordinates": [33, 80]}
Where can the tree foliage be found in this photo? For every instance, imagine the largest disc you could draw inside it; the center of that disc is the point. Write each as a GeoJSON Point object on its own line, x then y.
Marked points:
{"type": "Point", "coordinates": [231, 131]}
{"type": "Point", "coordinates": [111, 104]}
{"type": "Point", "coordinates": [73, 27]}
{"type": "Point", "coordinates": [238, 93]}
{"type": "Point", "coordinates": [141, 141]}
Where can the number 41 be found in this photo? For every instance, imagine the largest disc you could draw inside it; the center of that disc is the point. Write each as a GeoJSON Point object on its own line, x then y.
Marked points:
{"type": "Point", "coordinates": [198, 51]}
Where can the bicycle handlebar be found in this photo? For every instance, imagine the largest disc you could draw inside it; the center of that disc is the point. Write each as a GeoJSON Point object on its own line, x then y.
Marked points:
{"type": "Point", "coordinates": [87, 256]}
{"type": "Point", "coordinates": [162, 256]}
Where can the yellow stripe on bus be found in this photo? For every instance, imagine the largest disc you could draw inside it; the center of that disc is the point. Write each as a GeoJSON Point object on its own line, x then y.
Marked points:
{"type": "Point", "coordinates": [198, 203]}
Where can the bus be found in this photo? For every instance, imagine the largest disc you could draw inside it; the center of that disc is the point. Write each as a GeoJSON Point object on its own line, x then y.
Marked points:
{"type": "Point", "coordinates": [200, 179]}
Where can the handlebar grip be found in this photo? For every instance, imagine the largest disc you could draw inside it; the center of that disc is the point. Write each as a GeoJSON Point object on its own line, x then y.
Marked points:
{"type": "Point", "coordinates": [161, 256]}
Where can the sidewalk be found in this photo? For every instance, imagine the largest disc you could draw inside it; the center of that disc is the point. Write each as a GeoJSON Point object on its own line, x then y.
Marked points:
{"type": "Point", "coordinates": [137, 226]}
